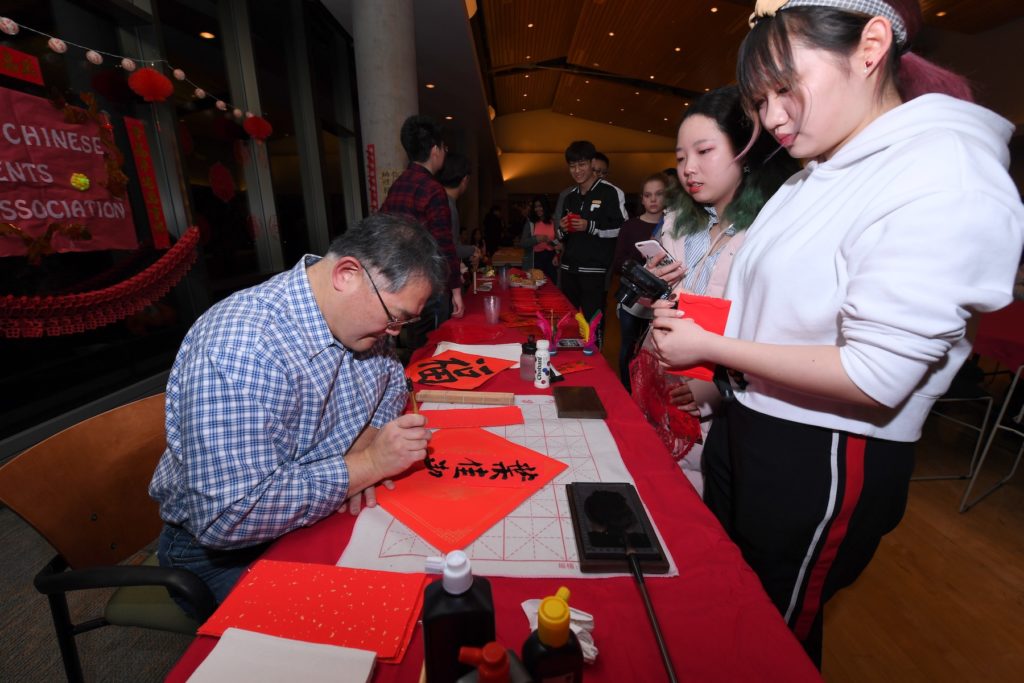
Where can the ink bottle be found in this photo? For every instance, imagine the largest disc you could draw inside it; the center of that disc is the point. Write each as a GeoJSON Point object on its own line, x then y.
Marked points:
{"type": "Point", "coordinates": [458, 611]}
{"type": "Point", "coordinates": [552, 652]}
{"type": "Point", "coordinates": [527, 360]}
{"type": "Point", "coordinates": [541, 372]}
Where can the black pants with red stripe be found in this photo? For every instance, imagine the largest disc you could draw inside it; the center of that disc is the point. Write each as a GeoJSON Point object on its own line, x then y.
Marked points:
{"type": "Point", "coordinates": [807, 506]}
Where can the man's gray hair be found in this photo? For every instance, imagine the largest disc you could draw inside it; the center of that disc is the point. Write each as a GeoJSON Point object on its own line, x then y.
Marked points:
{"type": "Point", "coordinates": [395, 246]}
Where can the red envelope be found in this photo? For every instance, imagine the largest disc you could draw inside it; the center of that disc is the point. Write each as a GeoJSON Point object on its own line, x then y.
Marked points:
{"type": "Point", "coordinates": [711, 313]}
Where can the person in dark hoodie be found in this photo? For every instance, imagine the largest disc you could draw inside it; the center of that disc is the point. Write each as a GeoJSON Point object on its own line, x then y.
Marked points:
{"type": "Point", "coordinates": [592, 213]}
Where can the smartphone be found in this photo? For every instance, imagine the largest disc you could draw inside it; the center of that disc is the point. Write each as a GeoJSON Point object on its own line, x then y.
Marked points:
{"type": "Point", "coordinates": [654, 252]}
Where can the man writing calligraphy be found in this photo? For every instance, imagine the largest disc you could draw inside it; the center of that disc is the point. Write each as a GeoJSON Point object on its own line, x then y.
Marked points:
{"type": "Point", "coordinates": [285, 400]}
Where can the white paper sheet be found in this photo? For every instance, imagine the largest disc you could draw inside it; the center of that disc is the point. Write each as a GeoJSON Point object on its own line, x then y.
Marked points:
{"type": "Point", "coordinates": [252, 657]}
{"type": "Point", "coordinates": [510, 352]}
{"type": "Point", "coordinates": [534, 540]}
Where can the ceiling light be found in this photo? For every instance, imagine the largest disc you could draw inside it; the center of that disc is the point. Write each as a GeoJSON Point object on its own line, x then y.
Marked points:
{"type": "Point", "coordinates": [577, 99]}
{"type": "Point", "coordinates": [524, 94]}
{"type": "Point", "coordinates": [611, 34]}
{"type": "Point", "coordinates": [648, 130]}
{"type": "Point", "coordinates": [587, 82]}
{"type": "Point", "coordinates": [430, 86]}
{"type": "Point", "coordinates": [524, 108]}
{"type": "Point", "coordinates": [527, 56]}
{"type": "Point", "coordinates": [207, 35]}
{"type": "Point", "coordinates": [940, 14]}
{"type": "Point", "coordinates": [666, 119]}
{"type": "Point", "coordinates": [529, 26]}
{"type": "Point", "coordinates": [707, 89]}
{"type": "Point", "coordinates": [714, 9]}
{"type": "Point", "coordinates": [596, 64]}
{"type": "Point", "coordinates": [652, 78]}
{"type": "Point", "coordinates": [686, 104]}
{"type": "Point", "coordinates": [679, 49]}
{"type": "Point", "coordinates": [449, 117]}
{"type": "Point", "coordinates": [636, 92]}
{"type": "Point", "coordinates": [621, 109]}
{"type": "Point", "coordinates": [527, 75]}
{"type": "Point", "coordinates": [571, 114]}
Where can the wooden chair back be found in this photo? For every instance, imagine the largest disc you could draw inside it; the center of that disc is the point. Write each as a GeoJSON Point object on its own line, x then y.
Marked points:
{"type": "Point", "coordinates": [85, 489]}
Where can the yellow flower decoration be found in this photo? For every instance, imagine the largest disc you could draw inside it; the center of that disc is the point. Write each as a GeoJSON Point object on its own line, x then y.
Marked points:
{"type": "Point", "coordinates": [765, 8]}
{"type": "Point", "coordinates": [80, 181]}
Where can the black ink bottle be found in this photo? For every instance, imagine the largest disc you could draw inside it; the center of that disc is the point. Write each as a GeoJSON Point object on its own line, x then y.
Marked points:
{"type": "Point", "coordinates": [552, 652]}
{"type": "Point", "coordinates": [458, 611]}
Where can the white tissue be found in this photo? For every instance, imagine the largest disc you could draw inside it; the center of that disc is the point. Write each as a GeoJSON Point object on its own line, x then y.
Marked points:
{"type": "Point", "coordinates": [581, 623]}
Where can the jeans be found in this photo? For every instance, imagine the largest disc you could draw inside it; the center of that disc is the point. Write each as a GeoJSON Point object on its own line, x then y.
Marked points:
{"type": "Point", "coordinates": [219, 569]}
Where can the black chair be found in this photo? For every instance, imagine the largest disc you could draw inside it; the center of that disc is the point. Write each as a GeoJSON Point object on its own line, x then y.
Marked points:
{"type": "Point", "coordinates": [85, 491]}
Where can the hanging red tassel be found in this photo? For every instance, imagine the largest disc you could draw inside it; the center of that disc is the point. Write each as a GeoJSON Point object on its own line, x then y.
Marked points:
{"type": "Point", "coordinates": [151, 85]}
{"type": "Point", "coordinates": [221, 182]}
{"type": "Point", "coordinates": [258, 127]}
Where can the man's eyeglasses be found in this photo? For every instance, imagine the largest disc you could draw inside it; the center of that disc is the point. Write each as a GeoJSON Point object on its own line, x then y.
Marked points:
{"type": "Point", "coordinates": [394, 324]}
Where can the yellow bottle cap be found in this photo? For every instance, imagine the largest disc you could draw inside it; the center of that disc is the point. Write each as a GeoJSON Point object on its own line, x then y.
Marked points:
{"type": "Point", "coordinates": [553, 619]}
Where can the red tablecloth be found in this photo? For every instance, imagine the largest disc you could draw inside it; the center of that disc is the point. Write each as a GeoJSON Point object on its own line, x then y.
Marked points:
{"type": "Point", "coordinates": [1001, 335]}
{"type": "Point", "coordinates": [716, 618]}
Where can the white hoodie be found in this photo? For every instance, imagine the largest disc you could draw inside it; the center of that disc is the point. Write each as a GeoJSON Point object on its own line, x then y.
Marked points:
{"type": "Point", "coordinates": [885, 250]}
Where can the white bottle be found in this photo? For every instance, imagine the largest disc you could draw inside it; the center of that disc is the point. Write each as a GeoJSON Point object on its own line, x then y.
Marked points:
{"type": "Point", "coordinates": [541, 371]}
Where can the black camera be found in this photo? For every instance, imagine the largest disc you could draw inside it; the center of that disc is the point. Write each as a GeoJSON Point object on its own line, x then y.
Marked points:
{"type": "Point", "coordinates": [638, 282]}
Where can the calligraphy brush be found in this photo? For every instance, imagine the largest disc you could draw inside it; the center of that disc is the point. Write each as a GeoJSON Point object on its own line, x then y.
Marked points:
{"type": "Point", "coordinates": [609, 509]}
{"type": "Point", "coordinates": [412, 396]}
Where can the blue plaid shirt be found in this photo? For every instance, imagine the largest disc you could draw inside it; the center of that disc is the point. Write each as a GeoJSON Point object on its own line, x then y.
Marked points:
{"type": "Point", "coordinates": [262, 405]}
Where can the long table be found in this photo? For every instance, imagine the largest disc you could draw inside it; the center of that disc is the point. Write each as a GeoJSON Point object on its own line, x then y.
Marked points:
{"type": "Point", "coordinates": [717, 620]}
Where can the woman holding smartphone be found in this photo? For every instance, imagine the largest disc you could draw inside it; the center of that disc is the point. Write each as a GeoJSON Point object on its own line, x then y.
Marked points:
{"type": "Point", "coordinates": [852, 294]}
{"type": "Point", "coordinates": [726, 174]}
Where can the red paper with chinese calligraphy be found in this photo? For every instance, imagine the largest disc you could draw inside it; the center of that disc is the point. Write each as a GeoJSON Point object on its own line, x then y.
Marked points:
{"type": "Point", "coordinates": [39, 154]}
{"type": "Point", "coordinates": [319, 603]}
{"type": "Point", "coordinates": [147, 181]}
{"type": "Point", "coordinates": [470, 480]}
{"type": "Point", "coordinates": [473, 417]}
{"type": "Point", "coordinates": [20, 65]}
{"type": "Point", "coordinates": [455, 370]}
{"type": "Point", "coordinates": [711, 313]}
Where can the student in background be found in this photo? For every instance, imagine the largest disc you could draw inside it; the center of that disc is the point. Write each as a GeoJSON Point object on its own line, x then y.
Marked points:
{"type": "Point", "coordinates": [454, 177]}
{"type": "Point", "coordinates": [594, 210]}
{"type": "Point", "coordinates": [853, 292]}
{"type": "Point", "coordinates": [633, 321]}
{"type": "Point", "coordinates": [538, 238]}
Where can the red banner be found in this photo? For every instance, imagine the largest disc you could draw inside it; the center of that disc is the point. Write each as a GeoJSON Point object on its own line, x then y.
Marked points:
{"type": "Point", "coordinates": [20, 65]}
{"type": "Point", "coordinates": [147, 181]}
{"type": "Point", "coordinates": [371, 176]}
{"type": "Point", "coordinates": [53, 177]}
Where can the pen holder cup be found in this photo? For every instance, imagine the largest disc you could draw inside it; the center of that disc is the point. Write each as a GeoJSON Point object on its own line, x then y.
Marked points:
{"type": "Point", "coordinates": [492, 309]}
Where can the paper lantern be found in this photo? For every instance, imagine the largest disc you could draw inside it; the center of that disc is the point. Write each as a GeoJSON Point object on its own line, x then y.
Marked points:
{"type": "Point", "coordinates": [127, 64]}
{"type": "Point", "coordinates": [57, 45]}
{"type": "Point", "coordinates": [94, 57]}
{"type": "Point", "coordinates": [237, 113]}
{"type": "Point", "coordinates": [200, 93]}
{"type": "Point", "coordinates": [9, 26]}
{"type": "Point", "coordinates": [258, 128]}
{"type": "Point", "coordinates": [222, 105]}
{"type": "Point", "coordinates": [151, 85]}
{"type": "Point", "coordinates": [179, 75]}
{"type": "Point", "coordinates": [221, 182]}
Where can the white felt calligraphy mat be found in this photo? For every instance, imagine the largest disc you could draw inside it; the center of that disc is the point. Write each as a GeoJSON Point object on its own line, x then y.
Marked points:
{"type": "Point", "coordinates": [534, 540]}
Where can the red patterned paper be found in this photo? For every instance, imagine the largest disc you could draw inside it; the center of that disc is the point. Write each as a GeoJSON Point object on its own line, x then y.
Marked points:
{"type": "Point", "coordinates": [319, 603]}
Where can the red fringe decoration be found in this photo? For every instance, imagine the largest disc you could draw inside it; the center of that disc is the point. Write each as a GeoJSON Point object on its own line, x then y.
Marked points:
{"type": "Point", "coordinates": [36, 316]}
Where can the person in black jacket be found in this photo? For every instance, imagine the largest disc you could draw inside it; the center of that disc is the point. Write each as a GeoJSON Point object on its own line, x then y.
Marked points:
{"type": "Point", "coordinates": [588, 228]}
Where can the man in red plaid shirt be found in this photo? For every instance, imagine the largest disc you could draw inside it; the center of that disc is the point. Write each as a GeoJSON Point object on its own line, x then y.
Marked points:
{"type": "Point", "coordinates": [418, 194]}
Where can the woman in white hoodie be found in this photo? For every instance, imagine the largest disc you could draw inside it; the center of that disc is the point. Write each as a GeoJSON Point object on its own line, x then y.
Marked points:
{"type": "Point", "coordinates": [852, 293]}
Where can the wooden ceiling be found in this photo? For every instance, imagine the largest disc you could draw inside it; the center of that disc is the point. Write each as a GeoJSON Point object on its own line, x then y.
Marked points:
{"type": "Point", "coordinates": [637, 63]}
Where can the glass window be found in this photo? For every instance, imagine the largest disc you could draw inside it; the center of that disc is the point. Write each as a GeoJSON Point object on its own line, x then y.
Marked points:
{"type": "Point", "coordinates": [41, 377]}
